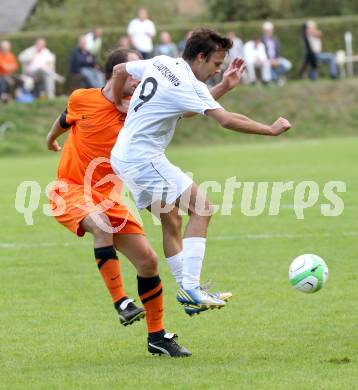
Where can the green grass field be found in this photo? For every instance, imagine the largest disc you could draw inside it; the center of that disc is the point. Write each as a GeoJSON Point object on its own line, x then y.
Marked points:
{"type": "Point", "coordinates": [59, 331]}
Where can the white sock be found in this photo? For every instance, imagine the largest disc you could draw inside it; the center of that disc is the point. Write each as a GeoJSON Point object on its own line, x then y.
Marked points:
{"type": "Point", "coordinates": [176, 266]}
{"type": "Point", "coordinates": [193, 253]}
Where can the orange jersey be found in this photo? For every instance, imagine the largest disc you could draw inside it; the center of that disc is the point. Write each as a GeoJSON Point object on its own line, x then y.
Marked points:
{"type": "Point", "coordinates": [8, 64]}
{"type": "Point", "coordinates": [95, 123]}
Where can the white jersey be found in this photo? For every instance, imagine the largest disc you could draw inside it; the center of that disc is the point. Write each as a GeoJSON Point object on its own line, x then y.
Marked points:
{"type": "Point", "coordinates": [141, 33]}
{"type": "Point", "coordinates": [167, 90]}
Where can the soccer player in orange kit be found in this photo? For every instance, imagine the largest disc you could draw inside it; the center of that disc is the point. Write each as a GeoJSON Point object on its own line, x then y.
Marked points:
{"type": "Point", "coordinates": [86, 199]}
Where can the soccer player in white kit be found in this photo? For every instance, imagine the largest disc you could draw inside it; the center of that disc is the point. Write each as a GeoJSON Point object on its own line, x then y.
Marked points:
{"type": "Point", "coordinates": [170, 88]}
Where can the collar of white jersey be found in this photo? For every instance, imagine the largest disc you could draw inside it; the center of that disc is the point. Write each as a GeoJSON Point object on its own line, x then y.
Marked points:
{"type": "Point", "coordinates": [181, 61]}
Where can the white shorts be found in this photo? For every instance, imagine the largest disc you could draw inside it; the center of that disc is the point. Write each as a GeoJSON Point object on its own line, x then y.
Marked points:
{"type": "Point", "coordinates": [152, 181]}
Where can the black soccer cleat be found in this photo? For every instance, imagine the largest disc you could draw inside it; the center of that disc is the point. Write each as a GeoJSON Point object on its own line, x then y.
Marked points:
{"type": "Point", "coordinates": [167, 346]}
{"type": "Point", "coordinates": [128, 312]}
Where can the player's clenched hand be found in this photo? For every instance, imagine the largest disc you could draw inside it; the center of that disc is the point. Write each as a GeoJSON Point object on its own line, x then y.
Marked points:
{"type": "Point", "coordinates": [281, 125]}
{"type": "Point", "coordinates": [54, 146]}
{"type": "Point", "coordinates": [232, 75]}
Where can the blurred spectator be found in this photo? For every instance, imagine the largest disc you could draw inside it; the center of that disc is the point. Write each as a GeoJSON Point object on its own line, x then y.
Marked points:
{"type": "Point", "coordinates": [314, 54]}
{"type": "Point", "coordinates": [256, 58]}
{"type": "Point", "coordinates": [182, 43]}
{"type": "Point", "coordinates": [166, 46]}
{"type": "Point", "coordinates": [309, 57]}
{"type": "Point", "coordinates": [237, 51]}
{"type": "Point", "coordinates": [83, 63]}
{"type": "Point", "coordinates": [8, 68]}
{"type": "Point", "coordinates": [279, 64]}
{"type": "Point", "coordinates": [141, 31]}
{"type": "Point", "coordinates": [39, 63]}
{"type": "Point", "coordinates": [237, 47]}
{"type": "Point", "coordinates": [124, 42]}
{"type": "Point", "coordinates": [94, 41]}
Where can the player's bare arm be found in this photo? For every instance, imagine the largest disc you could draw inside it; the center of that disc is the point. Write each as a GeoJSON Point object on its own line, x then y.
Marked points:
{"type": "Point", "coordinates": [243, 124]}
{"type": "Point", "coordinates": [54, 133]}
{"type": "Point", "coordinates": [119, 79]}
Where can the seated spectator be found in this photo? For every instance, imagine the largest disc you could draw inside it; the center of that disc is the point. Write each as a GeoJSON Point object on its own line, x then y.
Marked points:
{"type": "Point", "coordinates": [39, 63]}
{"type": "Point", "coordinates": [8, 68]}
{"type": "Point", "coordinates": [166, 46]}
{"type": "Point", "coordinates": [279, 64]}
{"type": "Point", "coordinates": [309, 57]}
{"type": "Point", "coordinates": [237, 47]}
{"type": "Point", "coordinates": [313, 52]}
{"type": "Point", "coordinates": [83, 63]}
{"type": "Point", "coordinates": [94, 41]}
{"type": "Point", "coordinates": [237, 51]}
{"type": "Point", "coordinates": [256, 58]}
{"type": "Point", "coordinates": [182, 43]}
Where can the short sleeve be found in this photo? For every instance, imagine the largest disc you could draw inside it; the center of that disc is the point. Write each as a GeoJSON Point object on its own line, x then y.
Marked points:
{"type": "Point", "coordinates": [70, 115]}
{"type": "Point", "coordinates": [197, 98]}
{"type": "Point", "coordinates": [137, 68]}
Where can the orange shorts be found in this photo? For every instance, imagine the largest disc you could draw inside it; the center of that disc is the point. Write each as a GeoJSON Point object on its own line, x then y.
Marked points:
{"type": "Point", "coordinates": [70, 207]}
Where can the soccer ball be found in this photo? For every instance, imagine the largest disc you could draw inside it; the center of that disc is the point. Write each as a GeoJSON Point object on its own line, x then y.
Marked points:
{"type": "Point", "coordinates": [308, 273]}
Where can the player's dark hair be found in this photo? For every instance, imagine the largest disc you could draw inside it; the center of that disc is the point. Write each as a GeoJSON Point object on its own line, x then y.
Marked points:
{"type": "Point", "coordinates": [115, 57]}
{"type": "Point", "coordinates": [205, 41]}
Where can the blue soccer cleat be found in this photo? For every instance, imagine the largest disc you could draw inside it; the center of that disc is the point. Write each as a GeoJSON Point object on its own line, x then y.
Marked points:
{"type": "Point", "coordinates": [191, 310]}
{"type": "Point", "coordinates": [223, 296]}
{"type": "Point", "coordinates": [199, 297]}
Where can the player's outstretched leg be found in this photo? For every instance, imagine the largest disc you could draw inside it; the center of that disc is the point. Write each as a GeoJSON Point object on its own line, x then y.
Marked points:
{"type": "Point", "coordinates": [172, 244]}
{"type": "Point", "coordinates": [150, 290]}
{"type": "Point", "coordinates": [200, 211]}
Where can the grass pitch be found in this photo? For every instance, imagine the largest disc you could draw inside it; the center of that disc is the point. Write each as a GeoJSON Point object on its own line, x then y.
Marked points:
{"type": "Point", "coordinates": [59, 331]}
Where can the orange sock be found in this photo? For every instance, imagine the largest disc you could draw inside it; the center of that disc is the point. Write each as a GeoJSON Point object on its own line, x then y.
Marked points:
{"type": "Point", "coordinates": [108, 265]}
{"type": "Point", "coordinates": [150, 291]}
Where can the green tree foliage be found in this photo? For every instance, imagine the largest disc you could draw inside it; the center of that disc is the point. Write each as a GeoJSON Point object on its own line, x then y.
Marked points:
{"type": "Point", "coordinates": [79, 14]}
{"type": "Point", "coordinates": [231, 10]}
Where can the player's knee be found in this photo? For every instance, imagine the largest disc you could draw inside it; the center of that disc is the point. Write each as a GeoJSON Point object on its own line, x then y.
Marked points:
{"type": "Point", "coordinates": [149, 263]}
{"type": "Point", "coordinates": [152, 261]}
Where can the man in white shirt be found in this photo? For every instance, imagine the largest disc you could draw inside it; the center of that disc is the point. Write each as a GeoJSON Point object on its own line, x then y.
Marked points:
{"type": "Point", "coordinates": [256, 58]}
{"type": "Point", "coordinates": [141, 31]}
{"type": "Point", "coordinates": [169, 89]}
{"type": "Point", "coordinates": [39, 63]}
